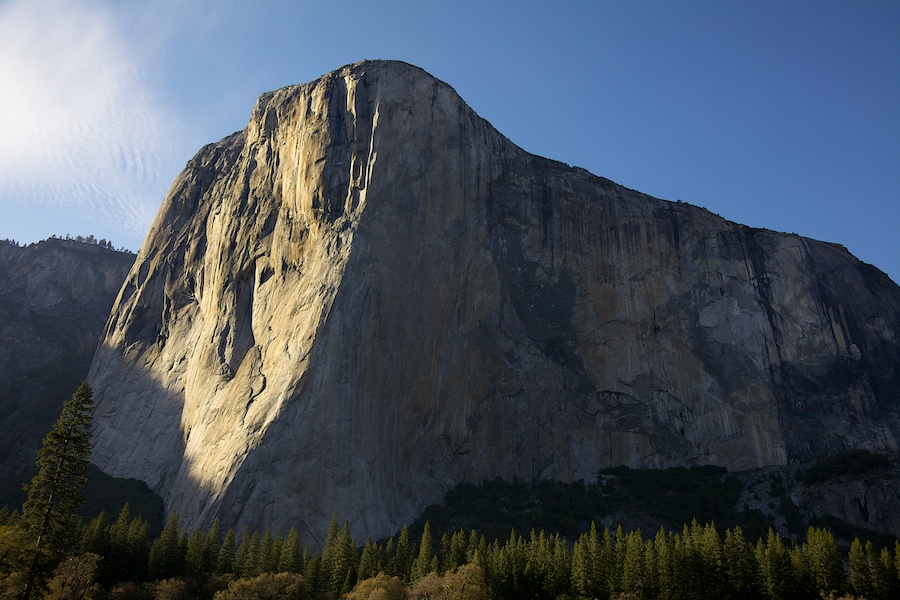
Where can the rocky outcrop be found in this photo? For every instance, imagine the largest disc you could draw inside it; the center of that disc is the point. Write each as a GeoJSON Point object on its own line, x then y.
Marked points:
{"type": "Point", "coordinates": [866, 498]}
{"type": "Point", "coordinates": [55, 297]}
{"type": "Point", "coordinates": [369, 295]}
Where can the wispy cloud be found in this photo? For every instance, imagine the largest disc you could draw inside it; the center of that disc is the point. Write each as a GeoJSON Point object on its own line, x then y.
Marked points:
{"type": "Point", "coordinates": [80, 125]}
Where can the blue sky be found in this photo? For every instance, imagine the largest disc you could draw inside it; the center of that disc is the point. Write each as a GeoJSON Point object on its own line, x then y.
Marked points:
{"type": "Point", "coordinates": [783, 115]}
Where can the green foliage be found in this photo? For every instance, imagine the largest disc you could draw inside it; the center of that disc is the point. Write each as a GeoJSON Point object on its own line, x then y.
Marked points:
{"type": "Point", "coordinates": [740, 571]}
{"type": "Point", "coordinates": [852, 463]}
{"type": "Point", "coordinates": [75, 577]}
{"type": "Point", "coordinates": [102, 493]}
{"type": "Point", "coordinates": [467, 583]}
{"type": "Point", "coordinates": [108, 494]}
{"type": "Point", "coordinates": [129, 548]}
{"type": "Point", "coordinates": [401, 561]}
{"type": "Point", "coordinates": [775, 567]}
{"type": "Point", "coordinates": [268, 586]}
{"type": "Point", "coordinates": [848, 531]}
{"type": "Point", "coordinates": [825, 563]}
{"type": "Point", "coordinates": [422, 565]}
{"type": "Point", "coordinates": [671, 496]}
{"type": "Point", "coordinates": [225, 558]}
{"type": "Point", "coordinates": [381, 586]}
{"type": "Point", "coordinates": [55, 493]}
{"type": "Point", "coordinates": [291, 558]}
{"type": "Point", "coordinates": [16, 555]}
{"type": "Point", "coordinates": [675, 495]}
{"type": "Point", "coordinates": [695, 563]}
{"type": "Point", "coordinates": [167, 555]}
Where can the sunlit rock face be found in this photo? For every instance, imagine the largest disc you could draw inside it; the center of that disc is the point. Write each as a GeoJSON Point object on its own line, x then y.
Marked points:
{"type": "Point", "coordinates": [370, 295]}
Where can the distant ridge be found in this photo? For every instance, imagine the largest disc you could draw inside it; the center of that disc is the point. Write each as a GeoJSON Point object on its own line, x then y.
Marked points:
{"type": "Point", "coordinates": [55, 297]}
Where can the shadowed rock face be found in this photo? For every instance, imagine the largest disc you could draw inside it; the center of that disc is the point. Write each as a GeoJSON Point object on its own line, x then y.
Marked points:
{"type": "Point", "coordinates": [370, 295]}
{"type": "Point", "coordinates": [55, 297]}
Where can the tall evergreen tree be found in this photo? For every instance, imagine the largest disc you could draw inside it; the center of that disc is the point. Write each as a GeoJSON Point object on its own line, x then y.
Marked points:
{"type": "Point", "coordinates": [880, 573]}
{"type": "Point", "coordinates": [860, 578]}
{"type": "Point", "coordinates": [225, 559]}
{"type": "Point", "coordinates": [368, 561]}
{"type": "Point", "coordinates": [402, 556]}
{"type": "Point", "coordinates": [95, 537]}
{"type": "Point", "coordinates": [138, 554]}
{"type": "Point", "coordinates": [211, 546]}
{"type": "Point", "coordinates": [265, 555]}
{"type": "Point", "coordinates": [632, 548]}
{"type": "Point", "coordinates": [167, 554]}
{"type": "Point", "coordinates": [291, 558]}
{"type": "Point", "coordinates": [739, 566]}
{"type": "Point", "coordinates": [825, 562]}
{"type": "Point", "coordinates": [194, 559]}
{"type": "Point", "coordinates": [329, 552]}
{"type": "Point", "coordinates": [455, 557]}
{"type": "Point", "coordinates": [344, 562]}
{"type": "Point", "coordinates": [775, 568]}
{"type": "Point", "coordinates": [55, 493]}
{"type": "Point", "coordinates": [422, 564]}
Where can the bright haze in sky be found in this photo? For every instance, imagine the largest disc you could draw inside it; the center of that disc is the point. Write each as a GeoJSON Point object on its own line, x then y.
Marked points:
{"type": "Point", "coordinates": [782, 115]}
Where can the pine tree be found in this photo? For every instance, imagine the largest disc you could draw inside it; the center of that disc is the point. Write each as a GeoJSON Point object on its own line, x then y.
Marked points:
{"type": "Point", "coordinates": [560, 568]}
{"type": "Point", "coordinates": [401, 561]}
{"type": "Point", "coordinates": [138, 551]}
{"type": "Point", "coordinates": [211, 545]}
{"type": "Point", "coordinates": [632, 562]}
{"type": "Point", "coordinates": [225, 559]}
{"type": "Point", "coordinates": [291, 559]}
{"type": "Point", "coordinates": [344, 563]}
{"type": "Point", "coordinates": [118, 531]}
{"type": "Point", "coordinates": [456, 556]}
{"type": "Point", "coordinates": [368, 562]}
{"type": "Point", "coordinates": [129, 548]}
{"type": "Point", "coordinates": [118, 562]}
{"type": "Point", "coordinates": [825, 562]}
{"type": "Point", "coordinates": [329, 552]}
{"type": "Point", "coordinates": [775, 568]}
{"type": "Point", "coordinates": [95, 537]}
{"type": "Point", "coordinates": [166, 556]}
{"type": "Point", "coordinates": [860, 579]}
{"type": "Point", "coordinates": [880, 577]}
{"type": "Point", "coordinates": [55, 493]}
{"type": "Point", "coordinates": [250, 558]}
{"type": "Point", "coordinates": [422, 564]}
{"type": "Point", "coordinates": [665, 567]}
{"type": "Point", "coordinates": [195, 554]}
{"type": "Point", "coordinates": [264, 557]}
{"type": "Point", "coordinates": [897, 563]}
{"type": "Point", "coordinates": [891, 587]}
{"type": "Point", "coordinates": [739, 566]}
{"type": "Point", "coordinates": [650, 579]}
{"type": "Point", "coordinates": [242, 552]}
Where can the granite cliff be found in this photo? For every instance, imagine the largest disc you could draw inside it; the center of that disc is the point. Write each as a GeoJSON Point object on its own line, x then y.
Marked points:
{"type": "Point", "coordinates": [55, 297]}
{"type": "Point", "coordinates": [369, 295]}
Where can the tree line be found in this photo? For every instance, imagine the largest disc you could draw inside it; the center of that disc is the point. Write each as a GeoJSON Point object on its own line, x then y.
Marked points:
{"type": "Point", "coordinates": [82, 239]}
{"type": "Point", "coordinates": [117, 559]}
{"type": "Point", "coordinates": [47, 552]}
